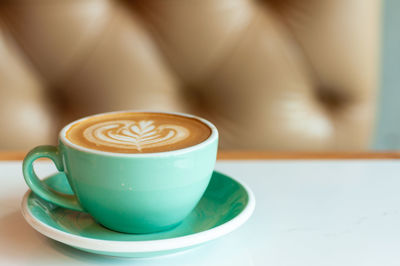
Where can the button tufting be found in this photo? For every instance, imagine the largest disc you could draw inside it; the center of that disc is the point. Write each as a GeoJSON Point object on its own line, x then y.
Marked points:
{"type": "Point", "coordinates": [254, 68]}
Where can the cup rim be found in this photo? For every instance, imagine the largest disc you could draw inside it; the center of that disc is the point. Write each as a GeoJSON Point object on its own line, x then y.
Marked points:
{"type": "Point", "coordinates": [213, 136]}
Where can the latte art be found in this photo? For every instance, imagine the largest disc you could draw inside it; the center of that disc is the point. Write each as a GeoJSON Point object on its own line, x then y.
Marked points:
{"type": "Point", "coordinates": [126, 134]}
{"type": "Point", "coordinates": [138, 132]}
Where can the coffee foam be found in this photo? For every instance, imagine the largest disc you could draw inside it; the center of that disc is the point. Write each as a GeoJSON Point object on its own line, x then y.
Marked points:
{"type": "Point", "coordinates": [138, 132]}
{"type": "Point", "coordinates": [125, 134]}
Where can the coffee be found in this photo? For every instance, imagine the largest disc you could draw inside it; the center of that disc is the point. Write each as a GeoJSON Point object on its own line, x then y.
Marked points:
{"type": "Point", "coordinates": [138, 132]}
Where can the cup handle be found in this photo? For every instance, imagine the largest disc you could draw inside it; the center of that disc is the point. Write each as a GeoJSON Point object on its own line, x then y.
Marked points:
{"type": "Point", "coordinates": [38, 186]}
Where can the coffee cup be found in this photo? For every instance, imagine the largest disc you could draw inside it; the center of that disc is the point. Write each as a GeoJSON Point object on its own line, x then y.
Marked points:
{"type": "Point", "coordinates": [133, 172]}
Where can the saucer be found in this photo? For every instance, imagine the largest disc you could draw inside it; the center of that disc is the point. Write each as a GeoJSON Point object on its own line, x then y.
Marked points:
{"type": "Point", "coordinates": [226, 205]}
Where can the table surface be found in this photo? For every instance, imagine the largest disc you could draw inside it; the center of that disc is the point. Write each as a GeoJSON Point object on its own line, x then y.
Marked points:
{"type": "Point", "coordinates": [267, 155]}
{"type": "Point", "coordinates": [308, 212]}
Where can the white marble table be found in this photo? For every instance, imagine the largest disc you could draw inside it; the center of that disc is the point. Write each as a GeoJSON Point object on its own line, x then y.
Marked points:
{"type": "Point", "coordinates": [308, 213]}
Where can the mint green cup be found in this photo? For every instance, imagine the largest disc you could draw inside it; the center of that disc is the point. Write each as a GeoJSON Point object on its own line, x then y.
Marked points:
{"type": "Point", "coordinates": [130, 193]}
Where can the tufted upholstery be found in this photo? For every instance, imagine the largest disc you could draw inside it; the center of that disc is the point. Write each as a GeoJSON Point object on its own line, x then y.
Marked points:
{"type": "Point", "coordinates": [281, 74]}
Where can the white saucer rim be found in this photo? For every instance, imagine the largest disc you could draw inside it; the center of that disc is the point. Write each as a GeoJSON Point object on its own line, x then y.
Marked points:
{"type": "Point", "coordinates": [116, 246]}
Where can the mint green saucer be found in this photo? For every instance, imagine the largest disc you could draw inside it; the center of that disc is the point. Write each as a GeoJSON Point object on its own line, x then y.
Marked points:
{"type": "Point", "coordinates": [226, 204]}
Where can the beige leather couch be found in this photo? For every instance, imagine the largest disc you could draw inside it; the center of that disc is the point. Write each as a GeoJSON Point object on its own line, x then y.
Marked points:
{"type": "Point", "coordinates": [276, 75]}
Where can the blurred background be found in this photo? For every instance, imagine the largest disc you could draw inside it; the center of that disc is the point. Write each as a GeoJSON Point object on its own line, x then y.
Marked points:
{"type": "Point", "coordinates": [271, 75]}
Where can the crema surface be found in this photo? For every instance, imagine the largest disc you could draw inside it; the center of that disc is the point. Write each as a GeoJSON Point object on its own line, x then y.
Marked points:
{"type": "Point", "coordinates": [138, 132]}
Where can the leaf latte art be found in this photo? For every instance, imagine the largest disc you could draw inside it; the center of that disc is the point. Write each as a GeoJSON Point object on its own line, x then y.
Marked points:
{"type": "Point", "coordinates": [128, 134]}
{"type": "Point", "coordinates": [137, 132]}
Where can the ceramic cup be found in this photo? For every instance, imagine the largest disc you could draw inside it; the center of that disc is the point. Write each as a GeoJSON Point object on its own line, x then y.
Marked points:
{"type": "Point", "coordinates": [130, 193]}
